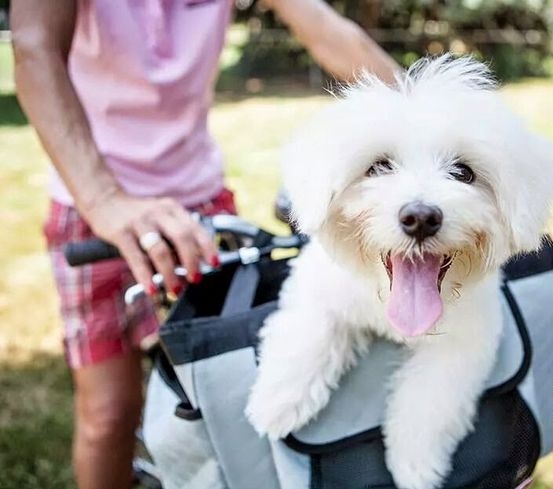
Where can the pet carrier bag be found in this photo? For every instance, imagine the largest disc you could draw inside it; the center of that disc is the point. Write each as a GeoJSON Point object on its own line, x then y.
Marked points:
{"type": "Point", "coordinates": [197, 433]}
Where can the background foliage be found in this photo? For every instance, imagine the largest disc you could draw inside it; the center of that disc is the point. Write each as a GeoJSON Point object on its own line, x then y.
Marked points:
{"type": "Point", "coordinates": [513, 34]}
{"type": "Point", "coordinates": [4, 5]}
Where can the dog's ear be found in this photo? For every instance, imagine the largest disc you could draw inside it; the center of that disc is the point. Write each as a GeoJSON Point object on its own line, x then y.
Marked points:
{"type": "Point", "coordinates": [528, 192]}
{"type": "Point", "coordinates": [313, 167]}
{"type": "Point", "coordinates": [331, 148]}
{"type": "Point", "coordinates": [308, 185]}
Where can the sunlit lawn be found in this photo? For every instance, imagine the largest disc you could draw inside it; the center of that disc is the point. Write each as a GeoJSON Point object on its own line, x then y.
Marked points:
{"type": "Point", "coordinates": [35, 392]}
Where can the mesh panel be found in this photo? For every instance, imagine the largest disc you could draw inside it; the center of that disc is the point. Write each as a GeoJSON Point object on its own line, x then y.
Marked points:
{"type": "Point", "coordinates": [500, 454]}
{"type": "Point", "coordinates": [522, 454]}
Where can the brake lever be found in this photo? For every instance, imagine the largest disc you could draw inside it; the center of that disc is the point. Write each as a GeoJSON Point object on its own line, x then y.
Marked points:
{"type": "Point", "coordinates": [233, 224]}
{"type": "Point", "coordinates": [244, 255]}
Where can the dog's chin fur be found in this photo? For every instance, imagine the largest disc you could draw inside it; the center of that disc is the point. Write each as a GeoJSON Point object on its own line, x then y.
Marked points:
{"type": "Point", "coordinates": [440, 113]}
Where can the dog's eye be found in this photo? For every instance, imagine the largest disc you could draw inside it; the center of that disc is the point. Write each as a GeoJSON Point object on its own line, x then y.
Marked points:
{"type": "Point", "coordinates": [381, 166]}
{"type": "Point", "coordinates": [462, 173]}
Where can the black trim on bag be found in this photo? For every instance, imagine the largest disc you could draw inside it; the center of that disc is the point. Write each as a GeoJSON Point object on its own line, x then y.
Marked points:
{"type": "Point", "coordinates": [168, 375]}
{"type": "Point", "coordinates": [529, 264]}
{"type": "Point", "coordinates": [321, 448]}
{"type": "Point", "coordinates": [184, 409]}
{"type": "Point", "coordinates": [519, 376]}
{"type": "Point", "coordinates": [204, 338]}
{"type": "Point", "coordinates": [376, 432]}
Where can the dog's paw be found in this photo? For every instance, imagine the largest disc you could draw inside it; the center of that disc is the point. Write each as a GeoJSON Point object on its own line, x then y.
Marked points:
{"type": "Point", "coordinates": [415, 467]}
{"type": "Point", "coordinates": [418, 476]}
{"type": "Point", "coordinates": [276, 411]}
{"type": "Point", "coordinates": [274, 421]}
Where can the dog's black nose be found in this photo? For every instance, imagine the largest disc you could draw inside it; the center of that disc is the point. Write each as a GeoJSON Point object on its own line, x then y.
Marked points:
{"type": "Point", "coordinates": [420, 220]}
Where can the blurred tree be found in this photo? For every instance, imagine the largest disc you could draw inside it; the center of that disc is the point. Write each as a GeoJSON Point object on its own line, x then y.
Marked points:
{"type": "Point", "coordinates": [513, 34]}
{"type": "Point", "coordinates": [4, 7]}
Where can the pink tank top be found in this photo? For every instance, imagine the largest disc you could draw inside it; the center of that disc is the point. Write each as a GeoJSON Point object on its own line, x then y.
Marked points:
{"type": "Point", "coordinates": [144, 71]}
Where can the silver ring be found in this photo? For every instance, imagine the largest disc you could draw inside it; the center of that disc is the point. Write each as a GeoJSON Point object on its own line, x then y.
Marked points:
{"type": "Point", "coordinates": [148, 240]}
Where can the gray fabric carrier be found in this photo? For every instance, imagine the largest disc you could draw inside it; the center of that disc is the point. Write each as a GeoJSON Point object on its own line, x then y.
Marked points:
{"type": "Point", "coordinates": [212, 356]}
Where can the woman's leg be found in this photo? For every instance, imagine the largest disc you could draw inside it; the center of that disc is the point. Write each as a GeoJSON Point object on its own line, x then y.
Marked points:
{"type": "Point", "coordinates": [108, 403]}
{"type": "Point", "coordinates": [102, 338]}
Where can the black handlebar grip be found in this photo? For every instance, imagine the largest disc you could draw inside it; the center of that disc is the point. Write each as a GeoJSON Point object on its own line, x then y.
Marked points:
{"type": "Point", "coordinates": [90, 251]}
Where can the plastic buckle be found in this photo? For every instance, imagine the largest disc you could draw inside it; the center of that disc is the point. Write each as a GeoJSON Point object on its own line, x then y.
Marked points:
{"type": "Point", "coordinates": [249, 255]}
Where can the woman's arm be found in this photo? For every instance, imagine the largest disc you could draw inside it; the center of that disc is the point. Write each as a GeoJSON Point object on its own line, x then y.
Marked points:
{"type": "Point", "coordinates": [42, 34]}
{"type": "Point", "coordinates": [339, 45]}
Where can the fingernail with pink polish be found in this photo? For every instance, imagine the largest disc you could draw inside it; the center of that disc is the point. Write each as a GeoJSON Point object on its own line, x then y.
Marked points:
{"type": "Point", "coordinates": [215, 262]}
{"type": "Point", "coordinates": [151, 290]}
{"type": "Point", "coordinates": [196, 278]}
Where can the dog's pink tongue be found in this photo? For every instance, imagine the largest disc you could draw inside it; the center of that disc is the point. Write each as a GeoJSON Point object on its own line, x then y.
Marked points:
{"type": "Point", "coordinates": [415, 303]}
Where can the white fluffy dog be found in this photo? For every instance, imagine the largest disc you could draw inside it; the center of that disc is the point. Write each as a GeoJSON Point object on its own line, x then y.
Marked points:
{"type": "Point", "coordinates": [413, 194]}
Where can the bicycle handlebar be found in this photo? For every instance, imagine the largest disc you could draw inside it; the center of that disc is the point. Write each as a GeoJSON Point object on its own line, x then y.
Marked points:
{"type": "Point", "coordinates": [89, 251]}
{"type": "Point", "coordinates": [93, 250]}
{"type": "Point", "coordinates": [84, 252]}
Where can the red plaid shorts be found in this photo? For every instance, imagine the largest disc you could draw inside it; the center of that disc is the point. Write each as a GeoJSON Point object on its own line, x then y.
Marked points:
{"type": "Point", "coordinates": [97, 324]}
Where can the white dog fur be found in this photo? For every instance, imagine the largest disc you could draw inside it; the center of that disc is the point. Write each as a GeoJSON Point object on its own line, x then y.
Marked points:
{"type": "Point", "coordinates": [349, 172]}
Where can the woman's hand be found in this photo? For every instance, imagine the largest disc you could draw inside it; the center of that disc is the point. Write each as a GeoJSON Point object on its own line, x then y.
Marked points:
{"type": "Point", "coordinates": [169, 235]}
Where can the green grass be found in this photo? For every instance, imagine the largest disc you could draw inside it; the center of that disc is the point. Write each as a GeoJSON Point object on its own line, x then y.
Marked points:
{"type": "Point", "coordinates": [6, 68]}
{"type": "Point", "coordinates": [35, 424]}
{"type": "Point", "coordinates": [35, 388]}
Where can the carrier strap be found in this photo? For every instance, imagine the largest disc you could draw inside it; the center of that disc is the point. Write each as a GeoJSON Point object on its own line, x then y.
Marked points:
{"type": "Point", "coordinates": [242, 290]}
{"type": "Point", "coordinates": [243, 287]}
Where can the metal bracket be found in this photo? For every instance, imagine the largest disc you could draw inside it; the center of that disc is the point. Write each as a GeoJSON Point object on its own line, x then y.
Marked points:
{"type": "Point", "coordinates": [249, 255]}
